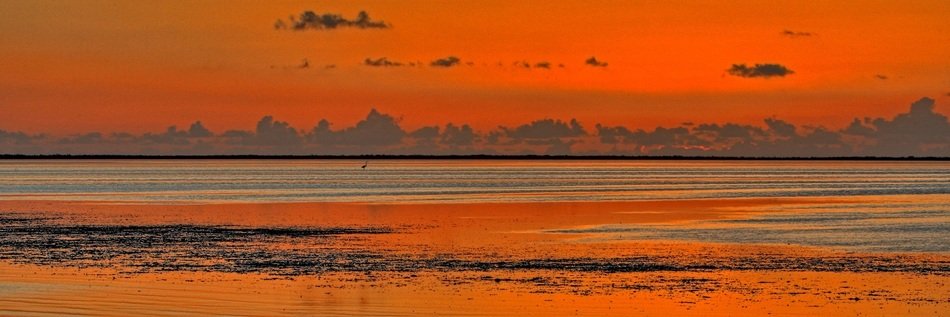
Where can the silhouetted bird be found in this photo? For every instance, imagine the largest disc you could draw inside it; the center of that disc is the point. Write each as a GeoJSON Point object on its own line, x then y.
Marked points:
{"type": "Point", "coordinates": [364, 165]}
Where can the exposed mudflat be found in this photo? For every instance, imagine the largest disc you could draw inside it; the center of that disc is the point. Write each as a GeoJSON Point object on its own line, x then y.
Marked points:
{"type": "Point", "coordinates": [291, 251]}
{"type": "Point", "coordinates": [490, 260]}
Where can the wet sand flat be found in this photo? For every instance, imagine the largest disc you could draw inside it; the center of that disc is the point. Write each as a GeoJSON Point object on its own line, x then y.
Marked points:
{"type": "Point", "coordinates": [107, 258]}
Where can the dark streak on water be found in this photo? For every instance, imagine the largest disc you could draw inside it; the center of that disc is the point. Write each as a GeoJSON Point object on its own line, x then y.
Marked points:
{"type": "Point", "coordinates": [312, 251]}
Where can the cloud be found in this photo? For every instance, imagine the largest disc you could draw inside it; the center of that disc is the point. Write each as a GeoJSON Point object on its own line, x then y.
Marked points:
{"type": "Point", "coordinates": [796, 34]}
{"type": "Point", "coordinates": [198, 130]}
{"type": "Point", "coordinates": [445, 62]}
{"type": "Point", "coordinates": [171, 136]}
{"type": "Point", "coordinates": [612, 135]}
{"type": "Point", "coordinates": [304, 64]}
{"type": "Point", "coordinates": [545, 135]}
{"type": "Point", "coordinates": [84, 138]}
{"type": "Point", "coordinates": [270, 132]}
{"type": "Point", "coordinates": [728, 130]}
{"type": "Point", "coordinates": [14, 137]}
{"type": "Point", "coordinates": [309, 20]}
{"type": "Point", "coordinates": [458, 135]}
{"type": "Point", "coordinates": [376, 130]}
{"type": "Point", "coordinates": [881, 77]}
{"type": "Point", "coordinates": [545, 129]}
{"type": "Point", "coordinates": [759, 70]}
{"type": "Point", "coordinates": [659, 137]}
{"type": "Point", "coordinates": [545, 65]}
{"type": "Point", "coordinates": [920, 124]}
{"type": "Point", "coordinates": [425, 133]}
{"type": "Point", "coordinates": [381, 62]}
{"type": "Point", "coordinates": [780, 128]}
{"type": "Point", "coordinates": [592, 61]}
{"type": "Point", "coordinates": [920, 131]}
{"type": "Point", "coordinates": [857, 127]}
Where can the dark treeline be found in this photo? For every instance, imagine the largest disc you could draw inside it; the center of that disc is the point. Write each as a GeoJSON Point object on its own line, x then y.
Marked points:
{"type": "Point", "coordinates": [448, 157]}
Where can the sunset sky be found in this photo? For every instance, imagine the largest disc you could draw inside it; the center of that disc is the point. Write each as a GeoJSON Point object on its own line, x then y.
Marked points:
{"type": "Point", "coordinates": [72, 67]}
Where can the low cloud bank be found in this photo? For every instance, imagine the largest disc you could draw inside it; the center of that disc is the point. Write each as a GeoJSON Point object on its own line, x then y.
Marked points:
{"type": "Point", "coordinates": [921, 131]}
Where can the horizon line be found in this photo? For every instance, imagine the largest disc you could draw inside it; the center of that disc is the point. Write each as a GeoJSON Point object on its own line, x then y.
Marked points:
{"type": "Point", "coordinates": [461, 157]}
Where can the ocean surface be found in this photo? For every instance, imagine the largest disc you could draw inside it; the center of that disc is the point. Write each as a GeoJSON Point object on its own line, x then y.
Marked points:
{"type": "Point", "coordinates": [169, 181]}
{"type": "Point", "coordinates": [899, 206]}
{"type": "Point", "coordinates": [474, 238]}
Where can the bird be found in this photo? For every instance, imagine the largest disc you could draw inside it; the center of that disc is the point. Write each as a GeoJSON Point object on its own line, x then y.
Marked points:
{"type": "Point", "coordinates": [364, 165]}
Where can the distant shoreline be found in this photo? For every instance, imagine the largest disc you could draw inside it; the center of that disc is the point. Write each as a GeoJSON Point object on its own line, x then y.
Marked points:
{"type": "Point", "coordinates": [459, 157]}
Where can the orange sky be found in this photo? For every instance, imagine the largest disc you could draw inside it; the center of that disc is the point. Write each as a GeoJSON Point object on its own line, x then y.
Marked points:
{"type": "Point", "coordinates": [136, 66]}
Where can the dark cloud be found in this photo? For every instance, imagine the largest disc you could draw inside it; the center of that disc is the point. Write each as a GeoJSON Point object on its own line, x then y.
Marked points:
{"type": "Point", "coordinates": [171, 136]}
{"type": "Point", "coordinates": [921, 123]}
{"type": "Point", "coordinates": [820, 137]}
{"type": "Point", "coordinates": [560, 147]}
{"type": "Point", "coordinates": [545, 129]}
{"type": "Point", "coordinates": [445, 62]}
{"type": "Point", "coordinates": [85, 138]}
{"type": "Point", "coordinates": [458, 135]}
{"type": "Point", "coordinates": [376, 130]}
{"type": "Point", "coordinates": [309, 20]}
{"type": "Point", "coordinates": [592, 61]}
{"type": "Point", "coordinates": [759, 70]}
{"type": "Point", "coordinates": [381, 62]}
{"type": "Point", "coordinates": [270, 132]}
{"type": "Point", "coordinates": [796, 34]}
{"type": "Point", "coordinates": [8, 137]}
{"type": "Point", "coordinates": [921, 131]}
{"type": "Point", "coordinates": [728, 131]}
{"type": "Point", "coordinates": [452, 61]}
{"type": "Point", "coordinates": [425, 133]}
{"type": "Point", "coordinates": [123, 137]}
{"type": "Point", "coordinates": [660, 136]}
{"type": "Point", "coordinates": [545, 136]}
{"type": "Point", "coordinates": [238, 137]}
{"type": "Point", "coordinates": [857, 127]}
{"type": "Point", "coordinates": [198, 130]}
{"type": "Point", "coordinates": [917, 128]}
{"type": "Point", "coordinates": [780, 128]}
{"type": "Point", "coordinates": [613, 135]}
{"type": "Point", "coordinates": [881, 77]}
{"type": "Point", "coordinates": [304, 64]}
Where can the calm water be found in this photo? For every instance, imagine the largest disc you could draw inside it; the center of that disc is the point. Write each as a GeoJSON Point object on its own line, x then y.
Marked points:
{"type": "Point", "coordinates": [902, 206]}
{"type": "Point", "coordinates": [460, 181]}
{"type": "Point", "coordinates": [474, 238]}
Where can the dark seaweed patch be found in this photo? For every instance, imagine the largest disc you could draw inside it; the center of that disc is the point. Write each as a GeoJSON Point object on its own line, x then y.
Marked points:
{"type": "Point", "coordinates": [143, 248]}
{"type": "Point", "coordinates": [312, 251]}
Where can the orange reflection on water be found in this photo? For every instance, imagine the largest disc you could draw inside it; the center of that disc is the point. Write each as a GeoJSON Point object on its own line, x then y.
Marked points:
{"type": "Point", "coordinates": [485, 234]}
